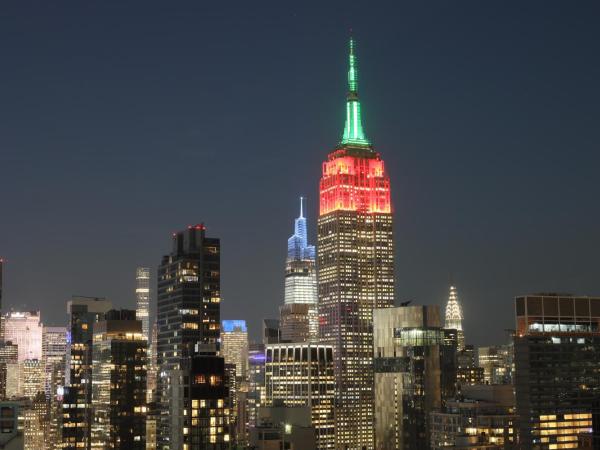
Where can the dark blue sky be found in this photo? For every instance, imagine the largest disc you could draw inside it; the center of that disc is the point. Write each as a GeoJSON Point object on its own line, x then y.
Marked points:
{"type": "Point", "coordinates": [120, 123]}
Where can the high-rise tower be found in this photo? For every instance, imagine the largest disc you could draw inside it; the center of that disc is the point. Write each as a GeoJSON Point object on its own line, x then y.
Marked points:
{"type": "Point", "coordinates": [119, 382]}
{"type": "Point", "coordinates": [356, 267]}
{"type": "Point", "coordinates": [83, 313]}
{"type": "Point", "coordinates": [299, 319]}
{"type": "Point", "coordinates": [188, 318]}
{"type": "Point", "coordinates": [454, 317]}
{"type": "Point", "coordinates": [1, 270]}
{"type": "Point", "coordinates": [142, 297]}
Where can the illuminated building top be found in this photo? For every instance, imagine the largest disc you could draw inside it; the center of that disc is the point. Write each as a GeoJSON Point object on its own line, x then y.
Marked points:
{"type": "Point", "coordinates": [298, 248]}
{"type": "Point", "coordinates": [354, 176]}
{"type": "Point", "coordinates": [453, 311]}
{"type": "Point", "coordinates": [353, 131]}
{"type": "Point", "coordinates": [230, 326]}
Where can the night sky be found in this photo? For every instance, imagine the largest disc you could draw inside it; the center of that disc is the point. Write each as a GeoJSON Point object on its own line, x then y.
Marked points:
{"type": "Point", "coordinates": [121, 123]}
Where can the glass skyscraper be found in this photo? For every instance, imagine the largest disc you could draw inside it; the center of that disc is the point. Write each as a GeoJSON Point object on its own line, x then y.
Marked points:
{"type": "Point", "coordinates": [356, 267]}
{"type": "Point", "coordinates": [234, 346]}
{"type": "Point", "coordinates": [188, 320]}
{"type": "Point", "coordinates": [119, 382]}
{"type": "Point", "coordinates": [300, 284]}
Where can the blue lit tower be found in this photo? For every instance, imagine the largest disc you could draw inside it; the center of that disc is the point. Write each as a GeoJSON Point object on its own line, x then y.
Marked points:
{"type": "Point", "coordinates": [298, 248]}
{"type": "Point", "coordinates": [299, 318]}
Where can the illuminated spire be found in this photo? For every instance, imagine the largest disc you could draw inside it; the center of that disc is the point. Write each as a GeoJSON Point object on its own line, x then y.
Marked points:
{"type": "Point", "coordinates": [454, 316]}
{"type": "Point", "coordinates": [298, 247]}
{"type": "Point", "coordinates": [353, 131]}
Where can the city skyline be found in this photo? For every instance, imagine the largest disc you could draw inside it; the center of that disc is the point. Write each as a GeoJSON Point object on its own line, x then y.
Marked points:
{"type": "Point", "coordinates": [483, 191]}
{"type": "Point", "coordinates": [460, 163]}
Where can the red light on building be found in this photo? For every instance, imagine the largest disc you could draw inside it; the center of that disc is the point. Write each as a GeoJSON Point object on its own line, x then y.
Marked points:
{"type": "Point", "coordinates": [354, 182]}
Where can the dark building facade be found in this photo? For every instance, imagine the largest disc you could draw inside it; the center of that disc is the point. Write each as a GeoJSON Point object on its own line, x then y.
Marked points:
{"type": "Point", "coordinates": [414, 363]}
{"type": "Point", "coordinates": [206, 424]}
{"type": "Point", "coordinates": [83, 313]}
{"type": "Point", "coordinates": [557, 344]}
{"type": "Point", "coordinates": [119, 382]}
{"type": "Point", "coordinates": [188, 319]}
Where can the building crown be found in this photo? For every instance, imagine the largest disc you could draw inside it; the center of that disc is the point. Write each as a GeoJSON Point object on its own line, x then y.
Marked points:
{"type": "Point", "coordinates": [353, 130]}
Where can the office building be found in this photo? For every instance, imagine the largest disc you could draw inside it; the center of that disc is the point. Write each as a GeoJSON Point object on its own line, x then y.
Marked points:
{"type": "Point", "coordinates": [257, 397]}
{"type": "Point", "coordinates": [483, 417]}
{"type": "Point", "coordinates": [468, 376]}
{"type": "Point", "coordinates": [151, 423]}
{"type": "Point", "coordinates": [301, 374]}
{"type": "Point", "coordinates": [467, 371]}
{"type": "Point", "coordinates": [454, 316]}
{"type": "Point", "coordinates": [295, 322]}
{"type": "Point", "coordinates": [413, 355]}
{"type": "Point", "coordinates": [25, 330]}
{"type": "Point", "coordinates": [188, 316]}
{"type": "Point", "coordinates": [300, 285]}
{"type": "Point", "coordinates": [83, 313]}
{"type": "Point", "coordinates": [497, 362]}
{"type": "Point", "coordinates": [8, 358]}
{"type": "Point", "coordinates": [152, 368]}
{"type": "Point", "coordinates": [142, 299]}
{"type": "Point", "coordinates": [205, 424]}
{"type": "Point", "coordinates": [54, 349]}
{"type": "Point", "coordinates": [356, 266]}
{"type": "Point", "coordinates": [119, 382]}
{"type": "Point", "coordinates": [35, 423]}
{"type": "Point", "coordinates": [557, 344]}
{"type": "Point", "coordinates": [32, 377]}
{"type": "Point", "coordinates": [234, 346]}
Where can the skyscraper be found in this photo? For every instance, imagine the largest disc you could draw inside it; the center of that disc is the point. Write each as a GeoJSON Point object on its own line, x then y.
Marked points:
{"type": "Point", "coordinates": [152, 372]}
{"type": "Point", "coordinates": [31, 377]}
{"type": "Point", "coordinates": [454, 316]}
{"type": "Point", "coordinates": [356, 267]}
{"type": "Point", "coordinates": [119, 382]}
{"type": "Point", "coordinates": [188, 317]}
{"type": "Point", "coordinates": [83, 313]}
{"type": "Point", "coordinates": [142, 297]}
{"type": "Point", "coordinates": [256, 383]}
{"type": "Point", "coordinates": [557, 344]}
{"type": "Point", "coordinates": [414, 373]}
{"type": "Point", "coordinates": [1, 273]}
{"type": "Point", "coordinates": [295, 322]}
{"type": "Point", "coordinates": [234, 346]}
{"type": "Point", "coordinates": [206, 424]}
{"type": "Point", "coordinates": [25, 330]}
{"type": "Point", "coordinates": [300, 281]}
{"type": "Point", "coordinates": [301, 374]}
{"type": "Point", "coordinates": [54, 348]}
{"type": "Point", "coordinates": [496, 362]}
{"type": "Point", "coordinates": [8, 369]}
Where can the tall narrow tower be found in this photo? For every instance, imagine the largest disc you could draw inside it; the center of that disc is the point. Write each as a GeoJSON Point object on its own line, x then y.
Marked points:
{"type": "Point", "coordinates": [298, 316]}
{"type": "Point", "coordinates": [188, 317]}
{"type": "Point", "coordinates": [454, 317]}
{"type": "Point", "coordinates": [356, 267]}
{"type": "Point", "coordinates": [142, 297]}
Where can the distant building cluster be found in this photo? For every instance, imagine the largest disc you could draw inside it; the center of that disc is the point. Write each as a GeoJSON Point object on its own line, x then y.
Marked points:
{"type": "Point", "coordinates": [343, 365]}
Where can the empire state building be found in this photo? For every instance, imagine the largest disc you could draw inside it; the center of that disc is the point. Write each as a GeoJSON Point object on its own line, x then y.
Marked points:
{"type": "Point", "coordinates": [355, 256]}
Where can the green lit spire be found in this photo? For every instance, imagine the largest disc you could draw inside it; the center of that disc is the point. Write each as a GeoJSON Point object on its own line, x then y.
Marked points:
{"type": "Point", "coordinates": [353, 131]}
